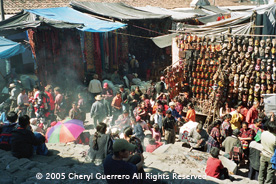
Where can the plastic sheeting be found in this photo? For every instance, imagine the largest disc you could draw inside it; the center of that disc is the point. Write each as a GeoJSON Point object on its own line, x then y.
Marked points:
{"type": "Point", "coordinates": [119, 11]}
{"type": "Point", "coordinates": [9, 48]}
{"type": "Point", "coordinates": [164, 41]}
{"type": "Point", "coordinates": [176, 16]}
{"type": "Point", "coordinates": [63, 17]}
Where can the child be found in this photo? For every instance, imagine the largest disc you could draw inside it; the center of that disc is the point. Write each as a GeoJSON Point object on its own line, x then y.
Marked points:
{"type": "Point", "coordinates": [214, 167]}
{"type": "Point", "coordinates": [75, 113]}
{"type": "Point", "coordinates": [225, 127]}
{"type": "Point", "coordinates": [156, 134]}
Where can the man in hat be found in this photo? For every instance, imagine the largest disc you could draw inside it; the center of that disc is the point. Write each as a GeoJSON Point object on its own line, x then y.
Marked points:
{"type": "Point", "coordinates": [116, 164]}
{"type": "Point", "coordinates": [15, 91]}
{"type": "Point", "coordinates": [107, 95]}
{"type": "Point", "coordinates": [175, 114]}
{"type": "Point", "coordinates": [168, 127]}
{"type": "Point", "coordinates": [95, 87]}
{"type": "Point", "coordinates": [97, 112]}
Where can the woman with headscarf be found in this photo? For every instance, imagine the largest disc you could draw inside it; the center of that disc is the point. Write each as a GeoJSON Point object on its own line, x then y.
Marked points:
{"type": "Point", "coordinates": [100, 144]}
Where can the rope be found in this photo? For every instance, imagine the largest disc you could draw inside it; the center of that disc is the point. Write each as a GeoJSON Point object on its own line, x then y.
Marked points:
{"type": "Point", "coordinates": [148, 30]}
{"type": "Point", "coordinates": [149, 38]}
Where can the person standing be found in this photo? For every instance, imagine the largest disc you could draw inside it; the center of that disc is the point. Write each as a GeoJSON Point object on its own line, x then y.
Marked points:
{"type": "Point", "coordinates": [133, 100]}
{"type": "Point", "coordinates": [160, 86]}
{"type": "Point", "coordinates": [191, 115]}
{"type": "Point", "coordinates": [59, 110]}
{"type": "Point", "coordinates": [124, 95]}
{"type": "Point", "coordinates": [95, 87]}
{"type": "Point", "coordinates": [168, 128]}
{"type": "Point", "coordinates": [117, 107]}
{"type": "Point", "coordinates": [268, 141]}
{"type": "Point", "coordinates": [252, 113]}
{"type": "Point", "coordinates": [97, 112]}
{"type": "Point", "coordinates": [15, 91]}
{"type": "Point", "coordinates": [107, 95]}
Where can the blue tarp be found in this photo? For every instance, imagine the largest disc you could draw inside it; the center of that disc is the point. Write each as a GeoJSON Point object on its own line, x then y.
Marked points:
{"type": "Point", "coordinates": [69, 15]}
{"type": "Point", "coordinates": [9, 48]}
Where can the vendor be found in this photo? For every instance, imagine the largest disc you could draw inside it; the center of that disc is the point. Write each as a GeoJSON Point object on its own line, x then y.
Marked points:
{"type": "Point", "coordinates": [191, 115]}
{"type": "Point", "coordinates": [198, 137]}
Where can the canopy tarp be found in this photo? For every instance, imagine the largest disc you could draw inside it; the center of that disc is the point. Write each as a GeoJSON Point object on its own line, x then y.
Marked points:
{"type": "Point", "coordinates": [119, 11]}
{"type": "Point", "coordinates": [214, 9]}
{"type": "Point", "coordinates": [199, 3]}
{"type": "Point", "coordinates": [164, 41]}
{"type": "Point", "coordinates": [9, 48]}
{"type": "Point", "coordinates": [63, 17]}
{"type": "Point", "coordinates": [176, 16]}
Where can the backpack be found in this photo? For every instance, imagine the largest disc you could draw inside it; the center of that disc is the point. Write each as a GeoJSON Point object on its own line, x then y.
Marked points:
{"type": "Point", "coordinates": [6, 136]}
{"type": "Point", "coordinates": [236, 153]}
{"type": "Point", "coordinates": [273, 160]}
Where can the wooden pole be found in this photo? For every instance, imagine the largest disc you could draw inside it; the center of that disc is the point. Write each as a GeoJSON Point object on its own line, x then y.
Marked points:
{"type": "Point", "coordinates": [2, 10]}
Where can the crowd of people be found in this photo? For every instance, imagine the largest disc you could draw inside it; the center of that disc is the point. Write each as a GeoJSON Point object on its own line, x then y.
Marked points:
{"type": "Point", "coordinates": [240, 132]}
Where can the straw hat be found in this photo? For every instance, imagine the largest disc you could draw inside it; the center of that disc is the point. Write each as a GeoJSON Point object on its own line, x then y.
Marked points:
{"type": "Point", "coordinates": [98, 97]}
{"type": "Point", "coordinates": [12, 85]}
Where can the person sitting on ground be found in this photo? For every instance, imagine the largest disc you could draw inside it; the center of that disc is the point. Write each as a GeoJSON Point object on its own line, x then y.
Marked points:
{"type": "Point", "coordinates": [35, 128]}
{"type": "Point", "coordinates": [116, 163]}
{"type": "Point", "coordinates": [128, 135]}
{"type": "Point", "coordinates": [153, 145]}
{"type": "Point", "coordinates": [225, 128]}
{"type": "Point", "coordinates": [75, 113]}
{"type": "Point", "coordinates": [143, 124]}
{"type": "Point", "coordinates": [214, 167]}
{"type": "Point", "coordinates": [123, 120]}
{"type": "Point", "coordinates": [138, 130]}
{"type": "Point", "coordinates": [20, 110]}
{"type": "Point", "coordinates": [198, 137]}
{"type": "Point", "coordinates": [3, 117]}
{"type": "Point", "coordinates": [24, 140]}
{"type": "Point", "coordinates": [156, 135]}
{"type": "Point", "coordinates": [230, 142]}
{"type": "Point", "coordinates": [115, 78]}
{"type": "Point", "coordinates": [100, 144]}
{"type": "Point", "coordinates": [6, 131]}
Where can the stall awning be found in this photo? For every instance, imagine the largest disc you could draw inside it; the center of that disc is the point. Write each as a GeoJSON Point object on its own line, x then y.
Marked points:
{"type": "Point", "coordinates": [9, 48]}
{"type": "Point", "coordinates": [63, 17]}
{"type": "Point", "coordinates": [164, 41]}
{"type": "Point", "coordinates": [176, 16]}
{"type": "Point", "coordinates": [118, 11]}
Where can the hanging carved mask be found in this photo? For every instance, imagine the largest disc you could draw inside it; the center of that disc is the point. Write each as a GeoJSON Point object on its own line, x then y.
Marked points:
{"type": "Point", "coordinates": [268, 42]}
{"type": "Point", "coordinates": [242, 55]}
{"type": "Point", "coordinates": [247, 55]}
{"type": "Point", "coordinates": [262, 43]}
{"type": "Point", "coordinates": [251, 42]}
{"type": "Point", "coordinates": [261, 51]}
{"type": "Point", "coordinates": [239, 68]}
{"type": "Point", "coordinates": [234, 48]}
{"type": "Point", "coordinates": [257, 42]}
{"type": "Point", "coordinates": [241, 80]}
{"type": "Point", "coordinates": [239, 48]}
{"type": "Point", "coordinates": [267, 50]}
{"type": "Point", "coordinates": [246, 80]}
{"type": "Point", "coordinates": [250, 49]}
{"type": "Point", "coordinates": [229, 46]}
{"type": "Point", "coordinates": [236, 80]}
{"type": "Point", "coordinates": [273, 42]}
{"type": "Point", "coordinates": [224, 52]}
{"type": "Point", "coordinates": [213, 39]}
{"type": "Point", "coordinates": [244, 48]}
{"type": "Point", "coordinates": [194, 38]}
{"type": "Point", "coordinates": [245, 41]}
{"type": "Point", "coordinates": [198, 40]}
{"type": "Point", "coordinates": [256, 50]}
{"type": "Point", "coordinates": [236, 55]}
{"type": "Point", "coordinates": [190, 38]}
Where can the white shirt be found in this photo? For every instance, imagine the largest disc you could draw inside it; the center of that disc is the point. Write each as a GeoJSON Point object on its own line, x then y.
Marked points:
{"type": "Point", "coordinates": [95, 86]}
{"type": "Point", "coordinates": [22, 99]}
{"type": "Point", "coordinates": [158, 119]}
{"type": "Point", "coordinates": [268, 141]}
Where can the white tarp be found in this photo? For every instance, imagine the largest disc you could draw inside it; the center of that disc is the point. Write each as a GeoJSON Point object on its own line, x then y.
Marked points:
{"type": "Point", "coordinates": [185, 129]}
{"type": "Point", "coordinates": [270, 103]}
{"type": "Point", "coordinates": [164, 41]}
